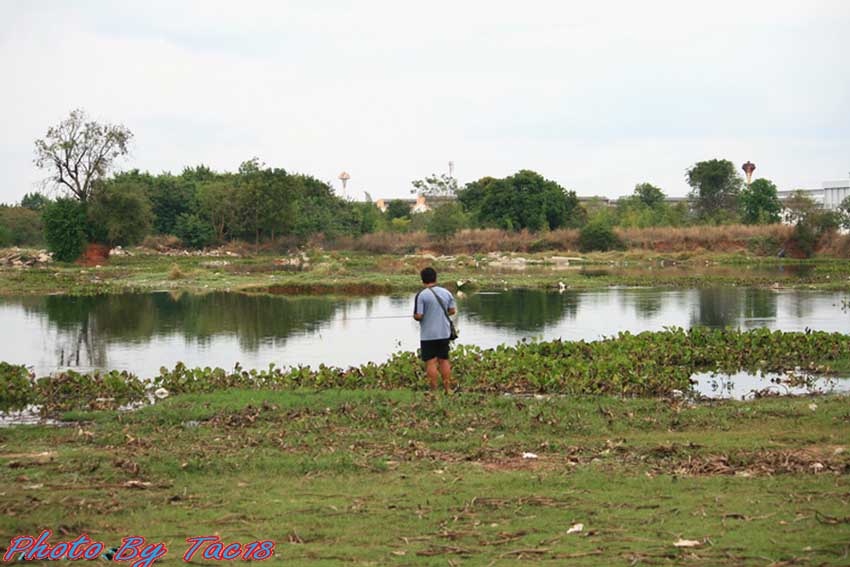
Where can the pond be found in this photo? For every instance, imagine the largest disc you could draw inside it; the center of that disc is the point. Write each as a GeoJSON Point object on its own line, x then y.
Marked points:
{"type": "Point", "coordinates": [142, 332]}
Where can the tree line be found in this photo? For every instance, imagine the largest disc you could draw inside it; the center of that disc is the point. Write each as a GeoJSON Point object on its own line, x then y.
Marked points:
{"type": "Point", "coordinates": [259, 203]}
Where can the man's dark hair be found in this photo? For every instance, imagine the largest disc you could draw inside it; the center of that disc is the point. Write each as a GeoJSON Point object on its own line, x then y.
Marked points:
{"type": "Point", "coordinates": [429, 275]}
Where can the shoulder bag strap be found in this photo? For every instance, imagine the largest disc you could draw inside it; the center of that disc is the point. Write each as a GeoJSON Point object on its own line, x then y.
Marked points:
{"type": "Point", "coordinates": [440, 301]}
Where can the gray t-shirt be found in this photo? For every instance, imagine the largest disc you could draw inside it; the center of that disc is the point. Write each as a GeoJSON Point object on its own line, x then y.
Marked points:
{"type": "Point", "coordinates": [434, 325]}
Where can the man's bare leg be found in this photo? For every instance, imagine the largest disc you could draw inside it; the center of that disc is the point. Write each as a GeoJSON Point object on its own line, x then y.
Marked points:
{"type": "Point", "coordinates": [431, 371]}
{"type": "Point", "coordinates": [446, 373]}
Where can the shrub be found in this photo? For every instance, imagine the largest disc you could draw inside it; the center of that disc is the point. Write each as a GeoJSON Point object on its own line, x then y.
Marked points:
{"type": "Point", "coordinates": [194, 231]}
{"type": "Point", "coordinates": [175, 273]}
{"type": "Point", "coordinates": [400, 224]}
{"type": "Point", "coordinates": [65, 228]}
{"type": "Point", "coordinates": [764, 245]}
{"type": "Point", "coordinates": [598, 236]}
{"type": "Point", "coordinates": [812, 223]}
{"type": "Point", "coordinates": [446, 221]}
{"type": "Point", "coordinates": [397, 209]}
{"type": "Point", "coordinates": [806, 238]}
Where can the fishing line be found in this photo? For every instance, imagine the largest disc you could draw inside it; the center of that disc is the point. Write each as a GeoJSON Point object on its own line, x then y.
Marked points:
{"type": "Point", "coordinates": [379, 317]}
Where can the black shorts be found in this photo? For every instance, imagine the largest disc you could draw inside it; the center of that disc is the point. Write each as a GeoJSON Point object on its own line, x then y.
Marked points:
{"type": "Point", "coordinates": [435, 349]}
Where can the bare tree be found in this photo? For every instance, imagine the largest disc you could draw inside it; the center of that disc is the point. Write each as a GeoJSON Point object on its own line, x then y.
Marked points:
{"type": "Point", "coordinates": [79, 151]}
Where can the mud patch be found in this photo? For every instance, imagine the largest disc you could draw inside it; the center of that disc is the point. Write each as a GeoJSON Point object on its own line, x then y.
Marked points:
{"type": "Point", "coordinates": [246, 417]}
{"type": "Point", "coordinates": [94, 255]}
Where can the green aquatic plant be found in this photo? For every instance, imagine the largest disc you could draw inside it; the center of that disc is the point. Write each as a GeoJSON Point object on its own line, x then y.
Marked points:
{"type": "Point", "coordinates": [15, 387]}
{"type": "Point", "coordinates": [644, 364]}
{"type": "Point", "coordinates": [71, 390]}
{"type": "Point", "coordinates": [626, 365]}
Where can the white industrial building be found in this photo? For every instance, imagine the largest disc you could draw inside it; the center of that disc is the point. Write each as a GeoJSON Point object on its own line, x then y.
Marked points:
{"type": "Point", "coordinates": [829, 196]}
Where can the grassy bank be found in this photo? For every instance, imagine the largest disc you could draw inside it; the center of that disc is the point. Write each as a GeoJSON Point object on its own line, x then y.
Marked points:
{"type": "Point", "coordinates": [364, 272]}
{"type": "Point", "coordinates": [403, 478]}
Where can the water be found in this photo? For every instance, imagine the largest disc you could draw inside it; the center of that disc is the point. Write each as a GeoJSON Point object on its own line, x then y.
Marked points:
{"type": "Point", "coordinates": [743, 385]}
{"type": "Point", "coordinates": [142, 332]}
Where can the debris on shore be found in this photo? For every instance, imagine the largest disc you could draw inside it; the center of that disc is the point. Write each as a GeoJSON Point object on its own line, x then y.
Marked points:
{"type": "Point", "coordinates": [17, 258]}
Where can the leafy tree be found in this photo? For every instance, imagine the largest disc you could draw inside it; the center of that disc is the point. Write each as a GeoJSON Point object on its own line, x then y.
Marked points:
{"type": "Point", "coordinates": [472, 195]}
{"type": "Point", "coordinates": [65, 228]}
{"type": "Point", "coordinates": [120, 213]}
{"type": "Point", "coordinates": [715, 185]}
{"type": "Point", "coordinates": [319, 209]}
{"type": "Point", "coordinates": [798, 206]}
{"type": "Point", "coordinates": [446, 221]}
{"type": "Point", "coordinates": [194, 231]}
{"type": "Point", "coordinates": [266, 200]}
{"type": "Point", "coordinates": [22, 226]}
{"type": "Point", "coordinates": [397, 209]}
{"type": "Point", "coordinates": [435, 186]}
{"type": "Point", "coordinates": [598, 209]}
{"type": "Point", "coordinates": [760, 203]}
{"type": "Point", "coordinates": [810, 220]}
{"type": "Point", "coordinates": [5, 236]}
{"type": "Point", "coordinates": [199, 174]}
{"type": "Point", "coordinates": [524, 200]}
{"type": "Point", "coordinates": [631, 212]}
{"type": "Point", "coordinates": [844, 212]}
{"type": "Point", "coordinates": [217, 203]}
{"type": "Point", "coordinates": [678, 214]}
{"type": "Point", "coordinates": [34, 201]}
{"type": "Point", "coordinates": [369, 218]}
{"type": "Point", "coordinates": [169, 195]}
{"type": "Point", "coordinates": [79, 152]}
{"type": "Point", "coordinates": [649, 195]}
{"type": "Point", "coordinates": [417, 222]}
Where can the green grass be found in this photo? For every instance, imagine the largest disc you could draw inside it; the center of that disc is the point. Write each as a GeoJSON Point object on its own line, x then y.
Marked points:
{"type": "Point", "coordinates": [405, 478]}
{"type": "Point", "coordinates": [367, 273]}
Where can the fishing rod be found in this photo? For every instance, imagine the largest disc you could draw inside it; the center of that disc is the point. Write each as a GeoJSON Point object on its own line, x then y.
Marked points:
{"type": "Point", "coordinates": [379, 317]}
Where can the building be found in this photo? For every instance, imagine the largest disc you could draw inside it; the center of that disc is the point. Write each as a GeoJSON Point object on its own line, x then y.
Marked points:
{"type": "Point", "coordinates": [829, 196]}
{"type": "Point", "coordinates": [420, 204]}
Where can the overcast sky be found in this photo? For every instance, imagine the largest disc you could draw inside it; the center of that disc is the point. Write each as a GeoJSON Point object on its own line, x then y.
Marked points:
{"type": "Point", "coordinates": [597, 96]}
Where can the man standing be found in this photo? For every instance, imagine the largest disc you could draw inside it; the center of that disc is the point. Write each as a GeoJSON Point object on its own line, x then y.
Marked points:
{"type": "Point", "coordinates": [432, 308]}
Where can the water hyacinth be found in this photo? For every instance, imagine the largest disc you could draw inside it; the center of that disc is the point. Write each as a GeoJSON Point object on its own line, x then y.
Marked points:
{"type": "Point", "coordinates": [645, 364]}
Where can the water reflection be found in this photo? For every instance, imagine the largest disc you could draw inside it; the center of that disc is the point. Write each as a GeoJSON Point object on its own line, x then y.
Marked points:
{"type": "Point", "coordinates": [522, 309]}
{"type": "Point", "coordinates": [141, 332]}
{"type": "Point", "coordinates": [723, 307]}
{"type": "Point", "coordinates": [140, 317]}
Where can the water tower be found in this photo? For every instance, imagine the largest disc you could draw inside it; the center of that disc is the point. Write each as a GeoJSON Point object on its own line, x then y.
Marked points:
{"type": "Point", "coordinates": [344, 177]}
{"type": "Point", "coordinates": [749, 168]}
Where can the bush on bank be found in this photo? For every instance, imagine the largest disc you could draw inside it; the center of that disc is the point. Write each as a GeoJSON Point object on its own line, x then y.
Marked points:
{"type": "Point", "coordinates": [65, 229]}
{"type": "Point", "coordinates": [645, 364]}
